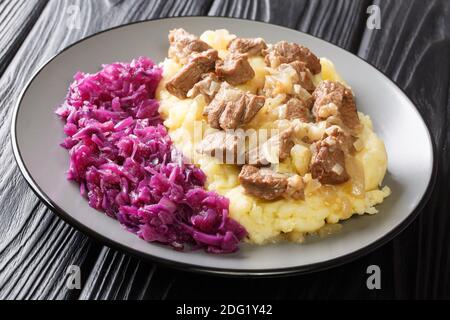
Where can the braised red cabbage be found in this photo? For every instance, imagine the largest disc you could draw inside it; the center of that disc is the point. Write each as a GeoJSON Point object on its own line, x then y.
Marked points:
{"type": "Point", "coordinates": [126, 165]}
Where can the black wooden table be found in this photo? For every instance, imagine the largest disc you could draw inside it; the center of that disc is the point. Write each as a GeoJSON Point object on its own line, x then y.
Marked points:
{"type": "Point", "coordinates": [412, 47]}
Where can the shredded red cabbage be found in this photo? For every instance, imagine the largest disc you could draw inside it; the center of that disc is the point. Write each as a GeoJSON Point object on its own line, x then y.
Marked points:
{"type": "Point", "coordinates": [126, 165]}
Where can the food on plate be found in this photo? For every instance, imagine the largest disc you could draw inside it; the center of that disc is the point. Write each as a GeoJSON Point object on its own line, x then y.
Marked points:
{"type": "Point", "coordinates": [321, 161]}
{"type": "Point", "coordinates": [235, 69]}
{"type": "Point", "coordinates": [229, 139]}
{"type": "Point", "coordinates": [231, 108]}
{"type": "Point", "coordinates": [192, 72]}
{"type": "Point", "coordinates": [251, 47]}
{"type": "Point", "coordinates": [285, 52]}
{"type": "Point", "coordinates": [127, 167]}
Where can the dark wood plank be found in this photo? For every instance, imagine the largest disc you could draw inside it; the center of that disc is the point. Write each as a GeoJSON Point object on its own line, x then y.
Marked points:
{"type": "Point", "coordinates": [119, 276]}
{"type": "Point", "coordinates": [415, 37]}
{"type": "Point", "coordinates": [35, 250]}
{"type": "Point", "coordinates": [36, 246]}
{"type": "Point", "coordinates": [34, 264]}
{"type": "Point", "coordinates": [16, 20]}
{"type": "Point", "coordinates": [340, 22]}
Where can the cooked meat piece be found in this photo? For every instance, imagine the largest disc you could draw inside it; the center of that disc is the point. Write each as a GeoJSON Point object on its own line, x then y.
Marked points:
{"type": "Point", "coordinates": [297, 109]}
{"type": "Point", "coordinates": [182, 44]}
{"type": "Point", "coordinates": [286, 52]}
{"type": "Point", "coordinates": [263, 182]}
{"type": "Point", "coordinates": [226, 146]}
{"type": "Point", "coordinates": [251, 46]}
{"type": "Point", "coordinates": [214, 110]}
{"type": "Point", "coordinates": [335, 100]}
{"type": "Point", "coordinates": [304, 76]}
{"type": "Point", "coordinates": [232, 107]}
{"type": "Point", "coordinates": [345, 139]}
{"type": "Point", "coordinates": [328, 161]}
{"type": "Point", "coordinates": [303, 95]}
{"type": "Point", "coordinates": [231, 147]}
{"type": "Point", "coordinates": [191, 73]}
{"type": "Point", "coordinates": [269, 185]}
{"type": "Point", "coordinates": [291, 78]}
{"type": "Point", "coordinates": [285, 142]}
{"type": "Point", "coordinates": [208, 87]}
{"type": "Point", "coordinates": [274, 150]}
{"type": "Point", "coordinates": [241, 112]}
{"type": "Point", "coordinates": [326, 87]}
{"type": "Point", "coordinates": [235, 69]}
{"type": "Point", "coordinates": [232, 115]}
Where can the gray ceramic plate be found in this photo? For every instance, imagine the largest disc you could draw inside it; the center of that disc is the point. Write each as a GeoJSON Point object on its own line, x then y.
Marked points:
{"type": "Point", "coordinates": [36, 134]}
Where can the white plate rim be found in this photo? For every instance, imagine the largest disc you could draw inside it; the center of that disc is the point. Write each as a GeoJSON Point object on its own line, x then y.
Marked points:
{"type": "Point", "coordinates": [314, 267]}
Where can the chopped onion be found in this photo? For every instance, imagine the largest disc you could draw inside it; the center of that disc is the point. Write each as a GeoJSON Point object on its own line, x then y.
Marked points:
{"type": "Point", "coordinates": [358, 144]}
{"type": "Point", "coordinates": [338, 169]}
{"type": "Point", "coordinates": [301, 93]}
{"type": "Point", "coordinates": [282, 111]}
{"type": "Point", "coordinates": [327, 110]}
{"type": "Point", "coordinates": [356, 172]}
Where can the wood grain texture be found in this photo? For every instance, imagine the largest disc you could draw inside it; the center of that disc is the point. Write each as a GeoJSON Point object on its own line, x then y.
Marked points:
{"type": "Point", "coordinates": [16, 20]}
{"type": "Point", "coordinates": [416, 36]}
{"type": "Point", "coordinates": [36, 247]}
{"type": "Point", "coordinates": [339, 22]}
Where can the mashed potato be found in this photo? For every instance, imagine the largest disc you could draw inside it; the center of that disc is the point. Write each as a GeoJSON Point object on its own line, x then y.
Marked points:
{"type": "Point", "coordinates": [270, 221]}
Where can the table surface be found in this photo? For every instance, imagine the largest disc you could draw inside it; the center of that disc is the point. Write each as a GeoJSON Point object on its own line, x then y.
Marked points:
{"type": "Point", "coordinates": [36, 247]}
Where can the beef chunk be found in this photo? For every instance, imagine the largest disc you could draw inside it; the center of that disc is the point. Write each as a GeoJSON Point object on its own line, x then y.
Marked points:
{"type": "Point", "coordinates": [285, 143]}
{"type": "Point", "coordinates": [328, 161]}
{"type": "Point", "coordinates": [191, 73]}
{"type": "Point", "coordinates": [274, 150]}
{"type": "Point", "coordinates": [208, 87]}
{"type": "Point", "coordinates": [343, 138]}
{"type": "Point", "coordinates": [232, 107]}
{"type": "Point", "coordinates": [297, 109]}
{"type": "Point", "coordinates": [286, 52]}
{"type": "Point", "coordinates": [251, 46]}
{"type": "Point", "coordinates": [304, 76]}
{"type": "Point", "coordinates": [299, 81]}
{"type": "Point", "coordinates": [235, 69]}
{"type": "Point", "coordinates": [183, 44]}
{"type": "Point", "coordinates": [231, 147]}
{"type": "Point", "coordinates": [269, 185]}
{"type": "Point", "coordinates": [263, 182]}
{"type": "Point", "coordinates": [228, 147]}
{"type": "Point", "coordinates": [240, 112]}
{"type": "Point", "coordinates": [300, 93]}
{"type": "Point", "coordinates": [335, 100]}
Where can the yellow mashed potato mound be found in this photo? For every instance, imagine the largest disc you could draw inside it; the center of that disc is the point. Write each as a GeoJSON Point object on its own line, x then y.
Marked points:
{"type": "Point", "coordinates": [271, 221]}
